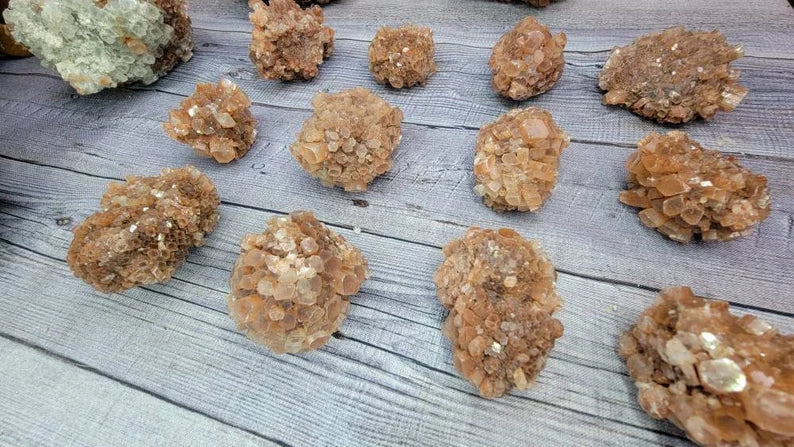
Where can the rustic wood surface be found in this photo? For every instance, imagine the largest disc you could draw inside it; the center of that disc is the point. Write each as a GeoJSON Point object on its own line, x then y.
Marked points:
{"type": "Point", "coordinates": [164, 365]}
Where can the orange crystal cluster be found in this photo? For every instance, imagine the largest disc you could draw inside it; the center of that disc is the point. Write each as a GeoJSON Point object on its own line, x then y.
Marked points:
{"type": "Point", "coordinates": [674, 76]}
{"type": "Point", "coordinates": [516, 159]}
{"type": "Point", "coordinates": [500, 291]}
{"type": "Point", "coordinates": [291, 285]}
{"type": "Point", "coordinates": [145, 229]}
{"type": "Point", "coordinates": [725, 380]}
{"type": "Point", "coordinates": [687, 190]}
{"type": "Point", "coordinates": [402, 57]}
{"type": "Point", "coordinates": [288, 42]}
{"type": "Point", "coordinates": [215, 120]}
{"type": "Point", "coordinates": [349, 139]}
{"type": "Point", "coordinates": [527, 61]}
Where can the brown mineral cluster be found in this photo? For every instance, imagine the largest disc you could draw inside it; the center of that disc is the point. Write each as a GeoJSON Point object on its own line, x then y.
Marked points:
{"type": "Point", "coordinates": [291, 285]}
{"type": "Point", "coordinates": [674, 76]}
{"type": "Point", "coordinates": [349, 139]}
{"type": "Point", "coordinates": [288, 42]}
{"type": "Point", "coordinates": [516, 159]}
{"type": "Point", "coordinates": [725, 380]}
{"type": "Point", "coordinates": [687, 190]}
{"type": "Point", "coordinates": [215, 120]}
{"type": "Point", "coordinates": [402, 57]}
{"type": "Point", "coordinates": [527, 61]}
{"type": "Point", "coordinates": [500, 292]}
{"type": "Point", "coordinates": [145, 229]}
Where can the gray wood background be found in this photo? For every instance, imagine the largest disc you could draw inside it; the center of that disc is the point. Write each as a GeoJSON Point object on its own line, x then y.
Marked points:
{"type": "Point", "coordinates": [163, 364]}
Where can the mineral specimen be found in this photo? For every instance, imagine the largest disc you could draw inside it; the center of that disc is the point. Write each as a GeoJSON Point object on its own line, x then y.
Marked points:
{"type": "Point", "coordinates": [674, 76]}
{"type": "Point", "coordinates": [216, 121]}
{"type": "Point", "coordinates": [9, 46]}
{"type": "Point", "coordinates": [145, 229]}
{"type": "Point", "coordinates": [687, 190]}
{"type": "Point", "coordinates": [500, 291]}
{"type": "Point", "coordinates": [101, 44]}
{"type": "Point", "coordinates": [516, 159]}
{"type": "Point", "coordinates": [349, 139]}
{"type": "Point", "coordinates": [725, 380]}
{"type": "Point", "coordinates": [527, 61]}
{"type": "Point", "coordinates": [291, 285]}
{"type": "Point", "coordinates": [288, 42]}
{"type": "Point", "coordinates": [402, 57]}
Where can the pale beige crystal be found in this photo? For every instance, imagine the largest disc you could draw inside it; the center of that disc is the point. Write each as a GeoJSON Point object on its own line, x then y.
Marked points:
{"type": "Point", "coordinates": [402, 57]}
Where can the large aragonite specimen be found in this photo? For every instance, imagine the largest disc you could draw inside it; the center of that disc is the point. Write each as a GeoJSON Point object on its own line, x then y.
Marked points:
{"type": "Point", "coordinates": [686, 190]}
{"type": "Point", "coordinates": [145, 229]}
{"type": "Point", "coordinates": [349, 139]}
{"type": "Point", "coordinates": [725, 380]}
{"type": "Point", "coordinates": [291, 285]}
{"type": "Point", "coordinates": [674, 76]}
{"type": "Point", "coordinates": [500, 292]}
{"type": "Point", "coordinates": [288, 42]}
{"type": "Point", "coordinates": [527, 61]}
{"type": "Point", "coordinates": [403, 56]}
{"type": "Point", "coordinates": [216, 120]}
{"type": "Point", "coordinates": [97, 45]}
{"type": "Point", "coordinates": [516, 159]}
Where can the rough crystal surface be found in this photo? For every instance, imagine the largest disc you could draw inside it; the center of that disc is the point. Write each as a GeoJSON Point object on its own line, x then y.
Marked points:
{"type": "Point", "coordinates": [686, 190]}
{"type": "Point", "coordinates": [674, 76]}
{"type": "Point", "coordinates": [402, 57]}
{"type": "Point", "coordinates": [500, 292]}
{"type": "Point", "coordinates": [725, 380]}
{"type": "Point", "coordinates": [349, 139]}
{"type": "Point", "coordinates": [8, 45]}
{"type": "Point", "coordinates": [145, 229]}
{"type": "Point", "coordinates": [291, 285]}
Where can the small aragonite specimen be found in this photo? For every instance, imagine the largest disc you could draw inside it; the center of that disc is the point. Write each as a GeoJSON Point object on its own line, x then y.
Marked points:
{"type": "Point", "coordinates": [674, 76]}
{"type": "Point", "coordinates": [726, 380]}
{"type": "Point", "coordinates": [500, 292]}
{"type": "Point", "coordinates": [685, 190]}
{"type": "Point", "coordinates": [291, 285]}
{"type": "Point", "coordinates": [349, 139]}
{"type": "Point", "coordinates": [516, 159]}
{"type": "Point", "coordinates": [145, 229]}
{"type": "Point", "coordinates": [215, 120]}
{"type": "Point", "coordinates": [403, 56]}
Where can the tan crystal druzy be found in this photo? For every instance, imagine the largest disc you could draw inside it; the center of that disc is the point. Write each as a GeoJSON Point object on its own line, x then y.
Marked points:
{"type": "Point", "coordinates": [516, 159]}
{"type": "Point", "coordinates": [527, 61]}
{"type": "Point", "coordinates": [674, 76]}
{"type": "Point", "coordinates": [145, 229]}
{"type": "Point", "coordinates": [686, 190]}
{"type": "Point", "coordinates": [288, 42]}
{"type": "Point", "coordinates": [402, 57]}
{"type": "Point", "coordinates": [215, 120]}
{"type": "Point", "coordinates": [349, 139]}
{"type": "Point", "coordinates": [725, 380]}
{"type": "Point", "coordinates": [500, 292]}
{"type": "Point", "coordinates": [291, 285]}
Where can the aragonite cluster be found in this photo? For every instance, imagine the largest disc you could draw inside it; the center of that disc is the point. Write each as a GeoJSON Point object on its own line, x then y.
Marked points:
{"type": "Point", "coordinates": [216, 120]}
{"type": "Point", "coordinates": [145, 229]}
{"type": "Point", "coordinates": [685, 190]}
{"type": "Point", "coordinates": [527, 61]}
{"type": "Point", "coordinates": [291, 285]}
{"type": "Point", "coordinates": [516, 159]}
{"type": "Point", "coordinates": [402, 57]}
{"type": "Point", "coordinates": [288, 42]}
{"type": "Point", "coordinates": [674, 76]}
{"type": "Point", "coordinates": [100, 44]}
{"type": "Point", "coordinates": [8, 45]}
{"type": "Point", "coordinates": [349, 139]}
{"type": "Point", "coordinates": [500, 292]}
{"type": "Point", "coordinates": [725, 380]}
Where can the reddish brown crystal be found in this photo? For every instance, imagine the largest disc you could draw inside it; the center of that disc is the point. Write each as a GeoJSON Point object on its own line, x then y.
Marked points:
{"type": "Point", "coordinates": [686, 190]}
{"type": "Point", "coordinates": [215, 120]}
{"type": "Point", "coordinates": [145, 229]}
{"type": "Point", "coordinates": [402, 57]}
{"type": "Point", "coordinates": [527, 61]}
{"type": "Point", "coordinates": [180, 47]}
{"type": "Point", "coordinates": [500, 291]}
{"type": "Point", "coordinates": [349, 139]}
{"type": "Point", "coordinates": [291, 285]}
{"type": "Point", "coordinates": [725, 380]}
{"type": "Point", "coordinates": [674, 76]}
